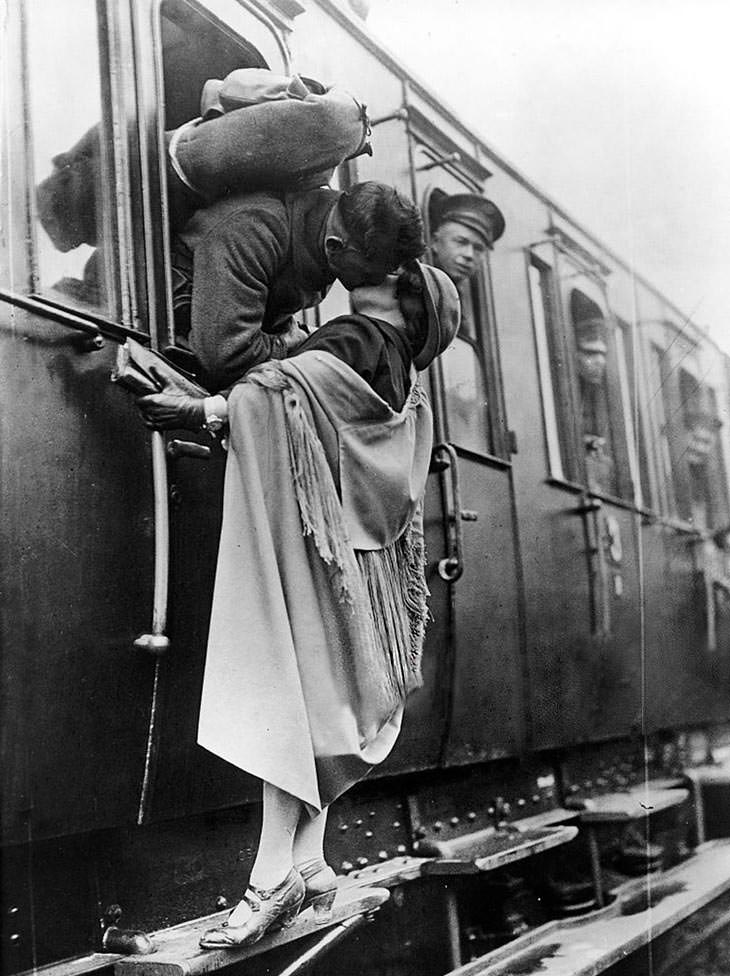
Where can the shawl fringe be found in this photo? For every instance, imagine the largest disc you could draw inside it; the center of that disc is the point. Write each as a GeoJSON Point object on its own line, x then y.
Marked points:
{"type": "Point", "coordinates": [390, 582]}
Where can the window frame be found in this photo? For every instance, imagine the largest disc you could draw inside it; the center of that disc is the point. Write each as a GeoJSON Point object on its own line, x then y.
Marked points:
{"type": "Point", "coordinates": [123, 317]}
{"type": "Point", "coordinates": [151, 85]}
{"type": "Point", "coordinates": [485, 343]}
{"type": "Point", "coordinates": [554, 336]}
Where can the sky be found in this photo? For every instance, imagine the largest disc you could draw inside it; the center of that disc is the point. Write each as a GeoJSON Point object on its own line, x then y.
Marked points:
{"type": "Point", "coordinates": [617, 109]}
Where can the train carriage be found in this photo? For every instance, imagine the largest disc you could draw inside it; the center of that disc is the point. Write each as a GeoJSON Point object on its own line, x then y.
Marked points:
{"type": "Point", "coordinates": [570, 748]}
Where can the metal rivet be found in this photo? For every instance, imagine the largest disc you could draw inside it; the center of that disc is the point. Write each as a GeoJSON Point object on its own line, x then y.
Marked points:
{"type": "Point", "coordinates": [362, 861]}
{"type": "Point", "coordinates": [520, 802]}
{"type": "Point", "coordinates": [437, 825]}
{"type": "Point", "coordinates": [574, 788]}
{"type": "Point", "coordinates": [471, 816]}
{"type": "Point", "coordinates": [372, 813]}
{"type": "Point", "coordinates": [490, 811]}
{"type": "Point", "coordinates": [536, 798]}
{"type": "Point", "coordinates": [358, 823]}
{"type": "Point", "coordinates": [382, 855]}
{"type": "Point", "coordinates": [368, 833]}
{"type": "Point", "coordinates": [396, 824]}
{"type": "Point", "coordinates": [401, 849]}
{"type": "Point", "coordinates": [343, 828]}
{"type": "Point", "coordinates": [14, 910]}
{"type": "Point", "coordinates": [454, 821]}
{"type": "Point", "coordinates": [221, 902]}
{"type": "Point", "coordinates": [346, 866]}
{"type": "Point", "coordinates": [15, 937]}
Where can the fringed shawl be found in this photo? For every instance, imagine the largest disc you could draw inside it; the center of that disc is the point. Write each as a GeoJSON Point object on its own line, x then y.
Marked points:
{"type": "Point", "coordinates": [344, 644]}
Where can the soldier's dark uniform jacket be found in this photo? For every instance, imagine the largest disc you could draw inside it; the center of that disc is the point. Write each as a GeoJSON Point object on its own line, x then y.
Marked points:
{"type": "Point", "coordinates": [254, 260]}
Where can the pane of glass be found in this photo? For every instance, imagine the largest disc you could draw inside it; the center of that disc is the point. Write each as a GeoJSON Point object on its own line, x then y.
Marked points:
{"type": "Point", "coordinates": [466, 397]}
{"type": "Point", "coordinates": [539, 291]}
{"type": "Point", "coordinates": [74, 243]}
{"type": "Point", "coordinates": [658, 397]}
{"type": "Point", "coordinates": [631, 420]}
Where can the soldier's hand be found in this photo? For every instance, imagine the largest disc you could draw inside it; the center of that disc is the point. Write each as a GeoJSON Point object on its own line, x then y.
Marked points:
{"type": "Point", "coordinates": [170, 411]}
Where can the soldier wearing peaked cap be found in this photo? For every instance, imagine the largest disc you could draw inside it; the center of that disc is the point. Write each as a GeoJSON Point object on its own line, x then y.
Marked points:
{"type": "Point", "coordinates": [463, 226]}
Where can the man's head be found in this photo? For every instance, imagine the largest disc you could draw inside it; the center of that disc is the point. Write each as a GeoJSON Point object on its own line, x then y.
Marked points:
{"type": "Point", "coordinates": [591, 340]}
{"type": "Point", "coordinates": [591, 350]}
{"type": "Point", "coordinates": [463, 227]}
{"type": "Point", "coordinates": [370, 232]}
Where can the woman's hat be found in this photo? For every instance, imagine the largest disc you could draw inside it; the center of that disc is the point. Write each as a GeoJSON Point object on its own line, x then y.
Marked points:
{"type": "Point", "coordinates": [443, 313]}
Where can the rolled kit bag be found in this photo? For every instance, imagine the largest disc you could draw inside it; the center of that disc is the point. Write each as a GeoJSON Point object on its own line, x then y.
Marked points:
{"type": "Point", "coordinates": [259, 130]}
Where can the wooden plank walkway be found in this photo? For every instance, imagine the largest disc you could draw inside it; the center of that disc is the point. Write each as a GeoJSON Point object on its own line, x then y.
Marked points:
{"type": "Point", "coordinates": [645, 909]}
{"type": "Point", "coordinates": [177, 952]}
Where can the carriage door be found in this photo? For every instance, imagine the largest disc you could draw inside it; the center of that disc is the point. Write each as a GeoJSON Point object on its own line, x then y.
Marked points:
{"type": "Point", "coordinates": [195, 41]}
{"type": "Point", "coordinates": [473, 643]}
{"type": "Point", "coordinates": [585, 660]}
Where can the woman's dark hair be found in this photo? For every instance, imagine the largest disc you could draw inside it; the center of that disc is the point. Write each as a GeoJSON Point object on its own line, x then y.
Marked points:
{"type": "Point", "coordinates": [409, 292]}
{"type": "Point", "coordinates": [386, 226]}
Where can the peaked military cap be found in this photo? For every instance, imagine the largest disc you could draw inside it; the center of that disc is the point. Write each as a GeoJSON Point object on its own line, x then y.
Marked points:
{"type": "Point", "coordinates": [470, 209]}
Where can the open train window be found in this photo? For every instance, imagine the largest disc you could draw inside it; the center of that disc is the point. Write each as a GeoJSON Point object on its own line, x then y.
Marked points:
{"type": "Point", "coordinates": [203, 41]}
{"type": "Point", "coordinates": [470, 366]}
{"type": "Point", "coordinates": [74, 234]}
{"type": "Point", "coordinates": [691, 470]}
{"type": "Point", "coordinates": [207, 41]}
{"type": "Point", "coordinates": [582, 360]}
{"type": "Point", "coordinates": [697, 453]}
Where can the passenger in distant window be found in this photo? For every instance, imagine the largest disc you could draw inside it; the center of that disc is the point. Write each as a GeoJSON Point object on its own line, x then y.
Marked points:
{"type": "Point", "coordinates": [463, 226]}
{"type": "Point", "coordinates": [319, 608]}
{"type": "Point", "coordinates": [245, 264]}
{"type": "Point", "coordinates": [591, 358]}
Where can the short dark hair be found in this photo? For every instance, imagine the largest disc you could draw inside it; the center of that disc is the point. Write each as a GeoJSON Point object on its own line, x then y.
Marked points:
{"type": "Point", "coordinates": [386, 225]}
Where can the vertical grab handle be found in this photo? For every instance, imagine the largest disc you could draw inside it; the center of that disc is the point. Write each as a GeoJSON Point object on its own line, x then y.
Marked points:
{"type": "Point", "coordinates": [156, 642]}
{"type": "Point", "coordinates": [451, 567]}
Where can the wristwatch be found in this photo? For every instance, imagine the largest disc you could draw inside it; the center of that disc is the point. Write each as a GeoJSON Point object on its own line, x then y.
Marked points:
{"type": "Point", "coordinates": [216, 414]}
{"type": "Point", "coordinates": [213, 423]}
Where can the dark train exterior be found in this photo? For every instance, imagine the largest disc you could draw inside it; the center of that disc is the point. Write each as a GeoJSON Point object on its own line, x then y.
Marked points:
{"type": "Point", "coordinates": [580, 643]}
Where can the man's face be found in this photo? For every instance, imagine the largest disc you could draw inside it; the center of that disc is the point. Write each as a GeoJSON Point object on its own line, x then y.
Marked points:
{"type": "Point", "coordinates": [351, 266]}
{"type": "Point", "coordinates": [457, 250]}
{"type": "Point", "coordinates": [592, 361]}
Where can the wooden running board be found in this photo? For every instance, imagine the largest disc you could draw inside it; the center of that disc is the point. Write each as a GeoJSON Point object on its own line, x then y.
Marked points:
{"type": "Point", "coordinates": [177, 952]}
{"type": "Point", "coordinates": [645, 909]}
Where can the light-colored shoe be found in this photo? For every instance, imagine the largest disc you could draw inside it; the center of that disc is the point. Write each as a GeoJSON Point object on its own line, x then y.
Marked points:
{"type": "Point", "coordinates": [260, 911]}
{"type": "Point", "coordinates": [320, 886]}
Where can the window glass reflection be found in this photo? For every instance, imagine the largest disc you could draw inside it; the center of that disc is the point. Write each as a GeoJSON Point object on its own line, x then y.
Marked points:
{"type": "Point", "coordinates": [72, 244]}
{"type": "Point", "coordinates": [466, 396]}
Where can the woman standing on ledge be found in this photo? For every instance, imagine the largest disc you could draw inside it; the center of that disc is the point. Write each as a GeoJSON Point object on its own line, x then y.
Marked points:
{"type": "Point", "coordinates": [319, 608]}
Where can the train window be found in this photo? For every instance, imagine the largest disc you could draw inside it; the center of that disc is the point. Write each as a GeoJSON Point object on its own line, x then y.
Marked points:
{"type": "Point", "coordinates": [469, 367]}
{"type": "Point", "coordinates": [699, 446]}
{"type": "Point", "coordinates": [692, 471]}
{"type": "Point", "coordinates": [74, 258]}
{"type": "Point", "coordinates": [659, 385]}
{"type": "Point", "coordinates": [542, 296]}
{"type": "Point", "coordinates": [629, 384]}
{"type": "Point", "coordinates": [201, 42]}
{"type": "Point", "coordinates": [584, 379]}
{"type": "Point", "coordinates": [465, 388]}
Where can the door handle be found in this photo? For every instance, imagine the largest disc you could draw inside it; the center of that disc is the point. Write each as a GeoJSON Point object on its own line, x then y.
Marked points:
{"type": "Point", "coordinates": [451, 567]}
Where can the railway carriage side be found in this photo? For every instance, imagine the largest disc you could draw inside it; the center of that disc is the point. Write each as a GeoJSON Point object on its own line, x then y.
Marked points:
{"type": "Point", "coordinates": [576, 512]}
